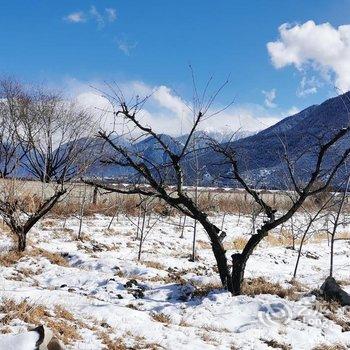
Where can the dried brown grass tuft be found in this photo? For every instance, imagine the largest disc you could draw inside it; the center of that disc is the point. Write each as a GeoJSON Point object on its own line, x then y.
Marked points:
{"type": "Point", "coordinates": [256, 286]}
{"type": "Point", "coordinates": [160, 317]}
{"type": "Point", "coordinates": [154, 264]}
{"type": "Point", "coordinates": [109, 343]}
{"type": "Point", "coordinates": [276, 345]}
{"type": "Point", "coordinates": [62, 323]}
{"type": "Point", "coordinates": [236, 244]}
{"type": "Point", "coordinates": [203, 290]}
{"type": "Point", "coordinates": [330, 347]}
{"type": "Point", "coordinates": [12, 257]}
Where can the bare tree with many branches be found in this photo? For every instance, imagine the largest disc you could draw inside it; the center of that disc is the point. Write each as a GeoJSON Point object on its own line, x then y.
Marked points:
{"type": "Point", "coordinates": [41, 135]}
{"type": "Point", "coordinates": [155, 179]}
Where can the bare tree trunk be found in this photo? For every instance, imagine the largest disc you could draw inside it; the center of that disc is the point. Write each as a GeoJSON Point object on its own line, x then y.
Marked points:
{"type": "Point", "coordinates": [138, 223]}
{"type": "Point", "coordinates": [292, 230]}
{"type": "Point", "coordinates": [239, 260]}
{"type": "Point", "coordinates": [183, 227]}
{"type": "Point", "coordinates": [22, 241]}
{"type": "Point", "coordinates": [64, 223]}
{"type": "Point", "coordinates": [335, 226]}
{"type": "Point", "coordinates": [81, 213]}
{"type": "Point", "coordinates": [223, 222]}
{"type": "Point", "coordinates": [239, 217]}
{"type": "Point", "coordinates": [193, 256]}
{"type": "Point", "coordinates": [94, 196]}
{"type": "Point", "coordinates": [114, 214]}
{"type": "Point", "coordinates": [141, 233]}
{"type": "Point", "coordinates": [301, 247]}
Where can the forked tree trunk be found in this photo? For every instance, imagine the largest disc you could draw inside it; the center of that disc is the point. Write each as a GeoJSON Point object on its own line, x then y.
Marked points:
{"type": "Point", "coordinates": [238, 267]}
{"type": "Point", "coordinates": [22, 241]}
{"type": "Point", "coordinates": [239, 261]}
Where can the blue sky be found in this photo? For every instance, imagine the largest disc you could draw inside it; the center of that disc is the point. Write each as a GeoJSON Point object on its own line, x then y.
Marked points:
{"type": "Point", "coordinates": [74, 43]}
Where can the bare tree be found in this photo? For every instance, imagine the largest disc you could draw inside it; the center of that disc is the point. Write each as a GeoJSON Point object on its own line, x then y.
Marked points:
{"type": "Point", "coordinates": [301, 192]}
{"type": "Point", "coordinates": [41, 134]}
{"type": "Point", "coordinates": [13, 103]}
{"type": "Point", "coordinates": [336, 222]}
{"type": "Point", "coordinates": [172, 170]}
{"type": "Point", "coordinates": [311, 218]}
{"type": "Point", "coordinates": [57, 133]}
{"type": "Point", "coordinates": [20, 214]}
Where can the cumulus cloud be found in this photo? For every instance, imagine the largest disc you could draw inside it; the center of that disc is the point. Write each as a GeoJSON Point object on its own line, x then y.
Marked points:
{"type": "Point", "coordinates": [168, 113]}
{"type": "Point", "coordinates": [270, 97]}
{"type": "Point", "coordinates": [76, 17]}
{"type": "Point", "coordinates": [321, 47]}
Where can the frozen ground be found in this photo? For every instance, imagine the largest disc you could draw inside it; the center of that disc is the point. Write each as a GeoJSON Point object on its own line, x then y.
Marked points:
{"type": "Point", "coordinates": [166, 301]}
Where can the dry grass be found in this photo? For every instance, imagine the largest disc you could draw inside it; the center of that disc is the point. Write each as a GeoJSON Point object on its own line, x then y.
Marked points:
{"type": "Point", "coordinates": [213, 328]}
{"type": "Point", "coordinates": [329, 347]}
{"type": "Point", "coordinates": [256, 286]}
{"type": "Point", "coordinates": [203, 290]}
{"type": "Point", "coordinates": [12, 257]}
{"type": "Point", "coordinates": [61, 312]}
{"type": "Point", "coordinates": [160, 317]}
{"type": "Point", "coordinates": [283, 239]}
{"type": "Point", "coordinates": [54, 258]}
{"type": "Point", "coordinates": [333, 312]}
{"type": "Point", "coordinates": [109, 343]}
{"type": "Point", "coordinates": [276, 345]}
{"type": "Point", "coordinates": [60, 321]}
{"type": "Point", "coordinates": [236, 244]}
{"type": "Point", "coordinates": [24, 311]}
{"type": "Point", "coordinates": [5, 330]}
{"type": "Point", "coordinates": [208, 338]}
{"type": "Point", "coordinates": [203, 245]}
{"type": "Point", "coordinates": [154, 264]}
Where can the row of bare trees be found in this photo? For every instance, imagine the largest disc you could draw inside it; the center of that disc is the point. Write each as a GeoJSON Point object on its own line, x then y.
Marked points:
{"type": "Point", "coordinates": [46, 137]}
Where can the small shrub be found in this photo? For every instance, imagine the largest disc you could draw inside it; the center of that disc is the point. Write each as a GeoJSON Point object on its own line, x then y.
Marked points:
{"type": "Point", "coordinates": [160, 317]}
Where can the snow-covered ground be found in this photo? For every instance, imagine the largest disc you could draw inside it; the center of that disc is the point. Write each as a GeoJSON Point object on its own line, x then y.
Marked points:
{"type": "Point", "coordinates": [165, 301]}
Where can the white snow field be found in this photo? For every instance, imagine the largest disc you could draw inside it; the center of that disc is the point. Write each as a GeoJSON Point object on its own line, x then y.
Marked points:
{"type": "Point", "coordinates": [94, 294]}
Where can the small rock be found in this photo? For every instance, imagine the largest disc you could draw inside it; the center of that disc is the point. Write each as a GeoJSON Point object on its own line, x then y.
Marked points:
{"type": "Point", "coordinates": [186, 292]}
{"type": "Point", "coordinates": [138, 294]}
{"type": "Point", "coordinates": [312, 255]}
{"type": "Point", "coordinates": [131, 283]}
{"type": "Point", "coordinates": [331, 290]}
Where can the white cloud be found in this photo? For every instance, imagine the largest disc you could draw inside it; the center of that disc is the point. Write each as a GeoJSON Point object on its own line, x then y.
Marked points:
{"type": "Point", "coordinates": [111, 14]}
{"type": "Point", "coordinates": [321, 47]}
{"type": "Point", "coordinates": [96, 15]}
{"type": "Point", "coordinates": [308, 86]}
{"type": "Point", "coordinates": [126, 47]}
{"type": "Point", "coordinates": [168, 113]}
{"type": "Point", "coordinates": [93, 14]}
{"type": "Point", "coordinates": [270, 97]}
{"type": "Point", "coordinates": [76, 17]}
{"type": "Point", "coordinates": [291, 111]}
